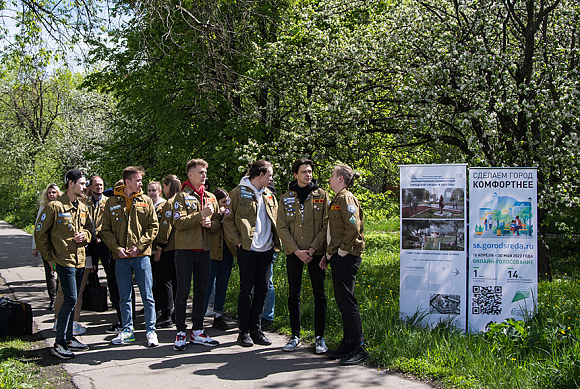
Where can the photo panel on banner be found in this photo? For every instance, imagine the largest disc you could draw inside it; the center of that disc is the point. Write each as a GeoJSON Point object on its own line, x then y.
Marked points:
{"type": "Point", "coordinates": [503, 270]}
{"type": "Point", "coordinates": [433, 245]}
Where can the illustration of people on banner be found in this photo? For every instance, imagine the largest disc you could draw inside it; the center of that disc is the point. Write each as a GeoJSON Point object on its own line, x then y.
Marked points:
{"type": "Point", "coordinates": [503, 216]}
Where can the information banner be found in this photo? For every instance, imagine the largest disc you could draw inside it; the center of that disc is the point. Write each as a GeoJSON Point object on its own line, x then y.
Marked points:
{"type": "Point", "coordinates": [503, 270]}
{"type": "Point", "coordinates": [433, 256]}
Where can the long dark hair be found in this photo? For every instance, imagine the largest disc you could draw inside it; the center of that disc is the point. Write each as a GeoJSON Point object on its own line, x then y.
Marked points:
{"type": "Point", "coordinates": [174, 184]}
{"type": "Point", "coordinates": [220, 193]}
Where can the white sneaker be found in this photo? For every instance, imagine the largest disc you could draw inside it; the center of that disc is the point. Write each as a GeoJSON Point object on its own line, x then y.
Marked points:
{"type": "Point", "coordinates": [180, 341]}
{"type": "Point", "coordinates": [320, 345]}
{"type": "Point", "coordinates": [75, 345]}
{"type": "Point", "coordinates": [62, 352]}
{"type": "Point", "coordinates": [292, 344]}
{"type": "Point", "coordinates": [78, 329]}
{"type": "Point", "coordinates": [124, 337]}
{"type": "Point", "coordinates": [152, 339]}
{"type": "Point", "coordinates": [202, 339]}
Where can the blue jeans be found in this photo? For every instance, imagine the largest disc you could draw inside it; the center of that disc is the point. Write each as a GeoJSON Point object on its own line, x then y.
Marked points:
{"type": "Point", "coordinates": [268, 313]}
{"type": "Point", "coordinates": [141, 266]}
{"type": "Point", "coordinates": [220, 271]}
{"type": "Point", "coordinates": [70, 279]}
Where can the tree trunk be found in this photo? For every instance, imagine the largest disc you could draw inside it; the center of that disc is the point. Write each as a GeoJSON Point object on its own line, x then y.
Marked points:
{"type": "Point", "coordinates": [544, 265]}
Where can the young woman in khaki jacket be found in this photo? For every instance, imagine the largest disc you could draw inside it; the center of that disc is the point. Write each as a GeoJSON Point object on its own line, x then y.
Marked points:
{"type": "Point", "coordinates": [345, 246]}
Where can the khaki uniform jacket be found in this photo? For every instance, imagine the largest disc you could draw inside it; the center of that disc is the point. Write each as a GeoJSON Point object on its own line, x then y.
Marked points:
{"type": "Point", "coordinates": [96, 211]}
{"type": "Point", "coordinates": [166, 236]}
{"type": "Point", "coordinates": [123, 228]}
{"type": "Point", "coordinates": [189, 234]}
{"type": "Point", "coordinates": [217, 240]}
{"type": "Point", "coordinates": [345, 225]}
{"type": "Point", "coordinates": [300, 231]}
{"type": "Point", "coordinates": [158, 210]}
{"type": "Point", "coordinates": [240, 221]}
{"type": "Point", "coordinates": [56, 228]}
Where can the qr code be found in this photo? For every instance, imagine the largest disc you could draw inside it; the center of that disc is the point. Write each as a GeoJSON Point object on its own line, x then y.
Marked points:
{"type": "Point", "coordinates": [486, 300]}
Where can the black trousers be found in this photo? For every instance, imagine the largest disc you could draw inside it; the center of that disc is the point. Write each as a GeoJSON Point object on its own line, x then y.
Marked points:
{"type": "Point", "coordinates": [50, 276]}
{"type": "Point", "coordinates": [294, 267]}
{"type": "Point", "coordinates": [190, 263]}
{"type": "Point", "coordinates": [344, 271]}
{"type": "Point", "coordinates": [254, 267]}
{"type": "Point", "coordinates": [100, 250]}
{"type": "Point", "coordinates": [164, 281]}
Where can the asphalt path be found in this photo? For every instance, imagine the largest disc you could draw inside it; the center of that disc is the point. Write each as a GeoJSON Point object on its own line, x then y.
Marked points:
{"type": "Point", "coordinates": [137, 366]}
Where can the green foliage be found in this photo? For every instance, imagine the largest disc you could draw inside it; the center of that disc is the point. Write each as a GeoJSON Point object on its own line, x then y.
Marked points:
{"type": "Point", "coordinates": [50, 127]}
{"type": "Point", "coordinates": [377, 206]}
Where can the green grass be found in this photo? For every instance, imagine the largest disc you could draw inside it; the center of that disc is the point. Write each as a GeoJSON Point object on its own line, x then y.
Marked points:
{"type": "Point", "coordinates": [14, 372]}
{"type": "Point", "coordinates": [543, 352]}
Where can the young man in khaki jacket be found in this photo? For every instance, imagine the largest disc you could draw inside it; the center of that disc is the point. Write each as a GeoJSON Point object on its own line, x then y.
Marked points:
{"type": "Point", "coordinates": [302, 224]}
{"type": "Point", "coordinates": [250, 225]}
{"type": "Point", "coordinates": [61, 233]}
{"type": "Point", "coordinates": [129, 227]}
{"type": "Point", "coordinates": [193, 210]}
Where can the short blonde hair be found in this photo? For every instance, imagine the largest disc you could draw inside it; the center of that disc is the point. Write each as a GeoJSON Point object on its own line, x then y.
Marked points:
{"type": "Point", "coordinates": [192, 164]}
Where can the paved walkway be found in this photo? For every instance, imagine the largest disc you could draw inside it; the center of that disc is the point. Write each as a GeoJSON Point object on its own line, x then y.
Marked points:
{"type": "Point", "coordinates": [137, 366]}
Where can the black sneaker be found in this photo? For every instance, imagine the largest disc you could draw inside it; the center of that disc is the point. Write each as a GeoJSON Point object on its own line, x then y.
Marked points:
{"type": "Point", "coordinates": [266, 323]}
{"type": "Point", "coordinates": [164, 322]}
{"type": "Point", "coordinates": [259, 338]}
{"type": "Point", "coordinates": [50, 306]}
{"type": "Point", "coordinates": [341, 351]}
{"type": "Point", "coordinates": [61, 351]}
{"type": "Point", "coordinates": [220, 324]}
{"type": "Point", "coordinates": [357, 355]}
{"type": "Point", "coordinates": [116, 328]}
{"type": "Point", "coordinates": [245, 340]}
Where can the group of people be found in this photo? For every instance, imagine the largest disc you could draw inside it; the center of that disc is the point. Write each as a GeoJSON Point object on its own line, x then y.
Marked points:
{"type": "Point", "coordinates": [194, 234]}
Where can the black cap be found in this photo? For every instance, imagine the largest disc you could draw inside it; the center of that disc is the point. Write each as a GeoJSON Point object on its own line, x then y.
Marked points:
{"type": "Point", "coordinates": [73, 175]}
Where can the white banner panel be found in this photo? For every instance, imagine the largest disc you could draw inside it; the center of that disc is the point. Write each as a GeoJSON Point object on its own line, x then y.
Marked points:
{"type": "Point", "coordinates": [433, 256]}
{"type": "Point", "coordinates": [503, 271]}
